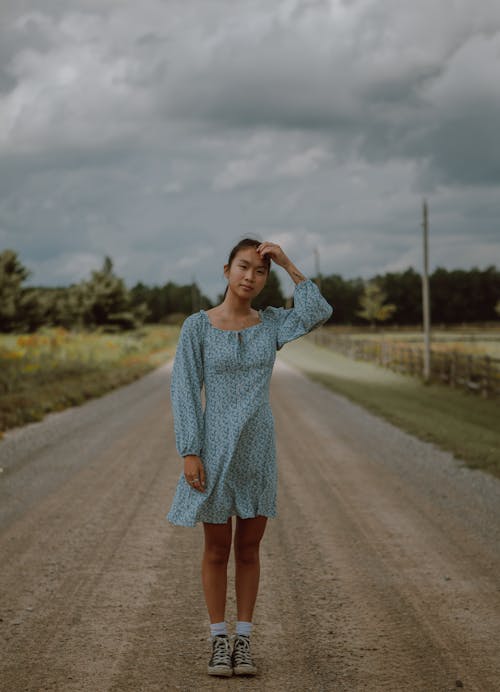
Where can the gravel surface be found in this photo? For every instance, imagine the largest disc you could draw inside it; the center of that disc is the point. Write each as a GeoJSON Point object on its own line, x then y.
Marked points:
{"type": "Point", "coordinates": [381, 571]}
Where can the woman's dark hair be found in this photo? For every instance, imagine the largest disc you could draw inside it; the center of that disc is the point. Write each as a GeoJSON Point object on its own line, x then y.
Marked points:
{"type": "Point", "coordinates": [247, 242]}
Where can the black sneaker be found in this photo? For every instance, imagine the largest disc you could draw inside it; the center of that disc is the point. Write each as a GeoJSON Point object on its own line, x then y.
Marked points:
{"type": "Point", "coordinates": [241, 658]}
{"type": "Point", "coordinates": [220, 663]}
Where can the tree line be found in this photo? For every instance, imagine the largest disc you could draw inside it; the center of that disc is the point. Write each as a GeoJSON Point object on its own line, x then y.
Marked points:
{"type": "Point", "coordinates": [104, 301]}
{"type": "Point", "coordinates": [395, 298]}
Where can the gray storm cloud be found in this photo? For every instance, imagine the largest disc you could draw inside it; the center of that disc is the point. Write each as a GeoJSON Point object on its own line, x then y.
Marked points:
{"type": "Point", "coordinates": [318, 123]}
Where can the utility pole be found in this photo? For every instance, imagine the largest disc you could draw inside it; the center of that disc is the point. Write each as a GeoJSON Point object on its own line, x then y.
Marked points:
{"type": "Point", "coordinates": [425, 295]}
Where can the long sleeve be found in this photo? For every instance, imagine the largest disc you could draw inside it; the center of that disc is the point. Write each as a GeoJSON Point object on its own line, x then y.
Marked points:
{"type": "Point", "coordinates": [310, 310]}
{"type": "Point", "coordinates": [185, 388]}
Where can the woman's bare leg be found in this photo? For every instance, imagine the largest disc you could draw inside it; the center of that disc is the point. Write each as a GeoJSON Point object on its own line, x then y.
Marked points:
{"type": "Point", "coordinates": [214, 567]}
{"type": "Point", "coordinates": [247, 537]}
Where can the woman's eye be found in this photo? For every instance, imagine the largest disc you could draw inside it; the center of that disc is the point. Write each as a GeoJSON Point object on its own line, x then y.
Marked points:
{"type": "Point", "coordinates": [260, 271]}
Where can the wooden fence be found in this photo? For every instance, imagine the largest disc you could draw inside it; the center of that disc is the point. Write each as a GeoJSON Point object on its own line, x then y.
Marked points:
{"type": "Point", "coordinates": [476, 373]}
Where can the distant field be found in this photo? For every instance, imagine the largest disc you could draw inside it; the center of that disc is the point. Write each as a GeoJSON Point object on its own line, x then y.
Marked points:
{"type": "Point", "coordinates": [476, 341]}
{"type": "Point", "coordinates": [55, 368]}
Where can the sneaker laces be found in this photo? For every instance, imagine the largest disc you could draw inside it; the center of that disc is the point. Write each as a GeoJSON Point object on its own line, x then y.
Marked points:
{"type": "Point", "coordinates": [241, 651]}
{"type": "Point", "coordinates": [220, 652]}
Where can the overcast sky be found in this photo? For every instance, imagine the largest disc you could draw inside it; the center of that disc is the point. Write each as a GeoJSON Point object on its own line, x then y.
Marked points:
{"type": "Point", "coordinates": [161, 132]}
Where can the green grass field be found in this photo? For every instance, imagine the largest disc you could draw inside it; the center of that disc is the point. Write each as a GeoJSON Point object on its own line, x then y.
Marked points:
{"type": "Point", "coordinates": [455, 420]}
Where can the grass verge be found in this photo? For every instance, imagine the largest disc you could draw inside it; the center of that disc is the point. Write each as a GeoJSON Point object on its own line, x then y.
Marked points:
{"type": "Point", "coordinates": [90, 366]}
{"type": "Point", "coordinates": [455, 420]}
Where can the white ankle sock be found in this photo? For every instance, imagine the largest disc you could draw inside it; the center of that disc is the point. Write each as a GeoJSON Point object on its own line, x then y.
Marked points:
{"type": "Point", "coordinates": [218, 628]}
{"type": "Point", "coordinates": [243, 627]}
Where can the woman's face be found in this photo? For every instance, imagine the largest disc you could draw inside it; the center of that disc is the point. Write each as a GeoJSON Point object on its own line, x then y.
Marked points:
{"type": "Point", "coordinates": [247, 269]}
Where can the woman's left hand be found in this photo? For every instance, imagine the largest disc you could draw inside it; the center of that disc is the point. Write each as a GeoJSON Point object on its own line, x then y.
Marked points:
{"type": "Point", "coordinates": [274, 251]}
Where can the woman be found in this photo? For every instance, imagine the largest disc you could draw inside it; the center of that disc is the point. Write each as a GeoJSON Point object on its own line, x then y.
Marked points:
{"type": "Point", "coordinates": [229, 447]}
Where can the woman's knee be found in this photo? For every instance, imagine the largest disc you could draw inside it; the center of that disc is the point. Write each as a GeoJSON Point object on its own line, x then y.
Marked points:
{"type": "Point", "coordinates": [217, 553]}
{"type": "Point", "coordinates": [246, 553]}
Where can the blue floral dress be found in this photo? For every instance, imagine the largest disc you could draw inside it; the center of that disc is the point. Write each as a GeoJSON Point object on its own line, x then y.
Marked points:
{"type": "Point", "coordinates": [234, 434]}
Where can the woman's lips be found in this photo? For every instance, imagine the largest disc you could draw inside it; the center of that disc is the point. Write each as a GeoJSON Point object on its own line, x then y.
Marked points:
{"type": "Point", "coordinates": [247, 288]}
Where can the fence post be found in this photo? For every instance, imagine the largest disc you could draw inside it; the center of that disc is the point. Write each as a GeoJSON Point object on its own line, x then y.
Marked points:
{"type": "Point", "coordinates": [486, 375]}
{"type": "Point", "coordinates": [444, 375]}
{"type": "Point", "coordinates": [453, 369]}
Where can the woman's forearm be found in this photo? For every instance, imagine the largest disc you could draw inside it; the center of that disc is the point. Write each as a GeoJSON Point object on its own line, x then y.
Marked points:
{"type": "Point", "coordinates": [295, 274]}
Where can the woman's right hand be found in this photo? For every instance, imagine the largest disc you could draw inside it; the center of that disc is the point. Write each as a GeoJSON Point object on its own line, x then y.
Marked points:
{"type": "Point", "coordinates": [194, 472]}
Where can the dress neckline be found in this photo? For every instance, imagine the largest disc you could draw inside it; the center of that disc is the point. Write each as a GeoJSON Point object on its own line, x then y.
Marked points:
{"type": "Point", "coordinates": [243, 329]}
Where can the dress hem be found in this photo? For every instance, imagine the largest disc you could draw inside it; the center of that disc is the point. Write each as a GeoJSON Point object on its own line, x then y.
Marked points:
{"type": "Point", "coordinates": [269, 515]}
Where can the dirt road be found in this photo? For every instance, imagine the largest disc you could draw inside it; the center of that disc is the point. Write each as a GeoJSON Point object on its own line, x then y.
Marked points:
{"type": "Point", "coordinates": [382, 571]}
